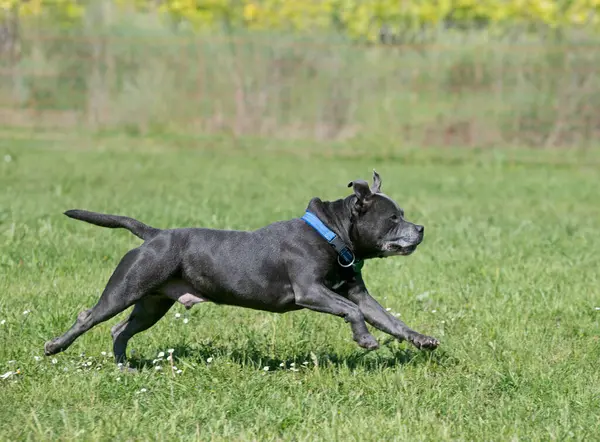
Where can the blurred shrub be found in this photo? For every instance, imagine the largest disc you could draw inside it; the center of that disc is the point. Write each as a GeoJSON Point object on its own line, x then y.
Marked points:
{"type": "Point", "coordinates": [366, 20]}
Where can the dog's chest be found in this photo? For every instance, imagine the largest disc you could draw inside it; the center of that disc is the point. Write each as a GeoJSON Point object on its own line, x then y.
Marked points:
{"type": "Point", "coordinates": [340, 280]}
{"type": "Point", "coordinates": [339, 284]}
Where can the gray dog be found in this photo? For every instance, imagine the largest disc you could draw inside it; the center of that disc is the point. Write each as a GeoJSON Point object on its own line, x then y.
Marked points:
{"type": "Point", "coordinates": [311, 262]}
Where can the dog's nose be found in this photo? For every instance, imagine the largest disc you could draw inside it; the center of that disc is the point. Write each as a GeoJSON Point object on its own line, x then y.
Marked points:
{"type": "Point", "coordinates": [420, 228]}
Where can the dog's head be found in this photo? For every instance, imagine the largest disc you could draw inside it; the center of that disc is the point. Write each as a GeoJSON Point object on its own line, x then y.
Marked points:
{"type": "Point", "coordinates": [378, 225]}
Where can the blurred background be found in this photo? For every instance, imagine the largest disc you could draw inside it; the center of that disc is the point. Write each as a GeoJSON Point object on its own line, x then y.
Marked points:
{"type": "Point", "coordinates": [442, 73]}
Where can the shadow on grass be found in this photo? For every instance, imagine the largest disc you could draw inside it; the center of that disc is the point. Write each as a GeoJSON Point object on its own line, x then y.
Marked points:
{"type": "Point", "coordinates": [387, 356]}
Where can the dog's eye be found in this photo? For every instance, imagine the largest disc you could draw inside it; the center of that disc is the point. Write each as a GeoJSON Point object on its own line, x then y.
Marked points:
{"type": "Point", "coordinates": [394, 218]}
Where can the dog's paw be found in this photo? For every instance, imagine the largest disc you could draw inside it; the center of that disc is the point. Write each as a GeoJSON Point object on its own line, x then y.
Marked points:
{"type": "Point", "coordinates": [423, 342]}
{"type": "Point", "coordinates": [127, 368]}
{"type": "Point", "coordinates": [50, 348]}
{"type": "Point", "coordinates": [368, 342]}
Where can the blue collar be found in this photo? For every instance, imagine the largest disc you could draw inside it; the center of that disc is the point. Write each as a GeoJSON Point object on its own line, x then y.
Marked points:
{"type": "Point", "coordinates": [345, 256]}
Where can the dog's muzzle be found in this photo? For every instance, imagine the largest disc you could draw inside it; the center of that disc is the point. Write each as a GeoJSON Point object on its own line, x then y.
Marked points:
{"type": "Point", "coordinates": [404, 246]}
{"type": "Point", "coordinates": [397, 249]}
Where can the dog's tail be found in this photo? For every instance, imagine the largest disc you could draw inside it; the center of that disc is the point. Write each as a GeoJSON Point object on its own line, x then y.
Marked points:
{"type": "Point", "coordinates": [136, 227]}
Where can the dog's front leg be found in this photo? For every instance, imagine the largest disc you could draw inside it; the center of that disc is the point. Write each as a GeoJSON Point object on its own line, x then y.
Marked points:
{"type": "Point", "coordinates": [320, 299]}
{"type": "Point", "coordinates": [379, 318]}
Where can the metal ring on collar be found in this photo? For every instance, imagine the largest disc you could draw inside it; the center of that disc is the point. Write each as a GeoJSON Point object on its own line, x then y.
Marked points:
{"type": "Point", "coordinates": [347, 265]}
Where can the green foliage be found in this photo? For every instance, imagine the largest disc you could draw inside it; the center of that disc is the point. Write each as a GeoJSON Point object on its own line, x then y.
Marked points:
{"type": "Point", "coordinates": [59, 12]}
{"type": "Point", "coordinates": [357, 19]}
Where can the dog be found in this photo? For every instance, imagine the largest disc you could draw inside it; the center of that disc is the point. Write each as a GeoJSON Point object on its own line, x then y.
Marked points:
{"type": "Point", "coordinates": [311, 262]}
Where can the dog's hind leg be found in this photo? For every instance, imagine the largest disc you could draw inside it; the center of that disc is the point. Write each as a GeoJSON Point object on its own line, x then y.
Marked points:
{"type": "Point", "coordinates": [146, 312]}
{"type": "Point", "coordinates": [138, 274]}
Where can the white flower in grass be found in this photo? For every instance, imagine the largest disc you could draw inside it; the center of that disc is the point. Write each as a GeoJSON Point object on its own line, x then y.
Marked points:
{"type": "Point", "coordinates": [54, 361]}
{"type": "Point", "coordinates": [65, 369]}
{"type": "Point", "coordinates": [396, 314]}
{"type": "Point", "coordinates": [26, 312]}
{"type": "Point", "coordinates": [209, 360]}
{"type": "Point", "coordinates": [143, 390]}
{"type": "Point", "coordinates": [12, 361]}
{"type": "Point", "coordinates": [179, 371]}
{"type": "Point", "coordinates": [597, 308]}
{"type": "Point", "coordinates": [161, 354]}
{"type": "Point", "coordinates": [282, 364]}
{"type": "Point", "coordinates": [388, 309]}
{"type": "Point", "coordinates": [3, 322]}
{"type": "Point", "coordinates": [177, 315]}
{"type": "Point", "coordinates": [305, 363]}
{"type": "Point", "coordinates": [171, 351]}
{"type": "Point", "coordinates": [37, 358]}
{"type": "Point", "coordinates": [293, 364]}
{"type": "Point", "coordinates": [7, 158]}
{"type": "Point", "coordinates": [120, 364]}
{"type": "Point", "coordinates": [7, 375]}
{"type": "Point", "coordinates": [186, 320]}
{"type": "Point", "coordinates": [266, 368]}
{"type": "Point", "coordinates": [103, 353]}
{"type": "Point", "coordinates": [158, 368]}
{"type": "Point", "coordinates": [433, 311]}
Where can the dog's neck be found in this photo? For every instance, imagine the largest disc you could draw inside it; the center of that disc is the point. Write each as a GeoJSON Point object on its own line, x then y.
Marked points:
{"type": "Point", "coordinates": [337, 215]}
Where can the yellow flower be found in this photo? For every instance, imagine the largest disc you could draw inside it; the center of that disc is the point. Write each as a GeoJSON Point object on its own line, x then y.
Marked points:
{"type": "Point", "coordinates": [250, 11]}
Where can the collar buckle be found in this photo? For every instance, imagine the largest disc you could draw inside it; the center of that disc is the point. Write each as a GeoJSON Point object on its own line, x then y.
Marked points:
{"type": "Point", "coordinates": [345, 265]}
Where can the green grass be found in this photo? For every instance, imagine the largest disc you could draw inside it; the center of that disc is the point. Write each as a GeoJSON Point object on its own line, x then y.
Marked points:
{"type": "Point", "coordinates": [507, 278]}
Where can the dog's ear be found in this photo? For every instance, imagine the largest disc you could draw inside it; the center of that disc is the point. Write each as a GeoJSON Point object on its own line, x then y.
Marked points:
{"type": "Point", "coordinates": [361, 189]}
{"type": "Point", "coordinates": [376, 187]}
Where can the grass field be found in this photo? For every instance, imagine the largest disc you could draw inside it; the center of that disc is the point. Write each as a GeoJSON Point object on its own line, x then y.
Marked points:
{"type": "Point", "coordinates": [507, 278]}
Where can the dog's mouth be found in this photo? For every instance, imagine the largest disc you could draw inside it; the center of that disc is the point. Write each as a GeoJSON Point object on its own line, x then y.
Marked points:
{"type": "Point", "coordinates": [403, 250]}
{"type": "Point", "coordinates": [396, 248]}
